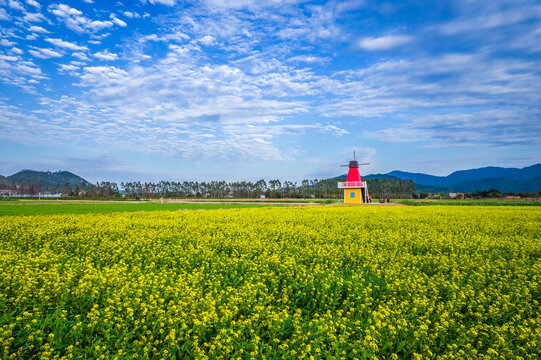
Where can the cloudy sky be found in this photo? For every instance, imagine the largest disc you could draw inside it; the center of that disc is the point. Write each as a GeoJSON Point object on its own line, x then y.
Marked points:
{"type": "Point", "coordinates": [246, 89]}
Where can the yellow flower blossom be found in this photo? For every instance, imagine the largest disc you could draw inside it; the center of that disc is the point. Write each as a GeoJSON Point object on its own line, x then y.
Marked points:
{"type": "Point", "coordinates": [315, 283]}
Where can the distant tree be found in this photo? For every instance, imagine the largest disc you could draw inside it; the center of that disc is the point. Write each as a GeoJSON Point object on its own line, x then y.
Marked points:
{"type": "Point", "coordinates": [66, 190]}
{"type": "Point", "coordinates": [260, 187]}
{"type": "Point", "coordinates": [275, 186]}
{"type": "Point", "coordinates": [39, 187]}
{"type": "Point", "coordinates": [31, 189]}
{"type": "Point", "coordinates": [290, 188]}
{"type": "Point", "coordinates": [305, 188]}
{"type": "Point", "coordinates": [494, 193]}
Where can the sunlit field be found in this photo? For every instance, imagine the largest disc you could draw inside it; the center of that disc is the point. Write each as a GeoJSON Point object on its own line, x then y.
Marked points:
{"type": "Point", "coordinates": [10, 208]}
{"type": "Point", "coordinates": [327, 282]}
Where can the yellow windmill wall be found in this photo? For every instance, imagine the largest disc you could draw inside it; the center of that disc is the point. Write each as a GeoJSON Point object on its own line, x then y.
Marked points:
{"type": "Point", "coordinates": [349, 200]}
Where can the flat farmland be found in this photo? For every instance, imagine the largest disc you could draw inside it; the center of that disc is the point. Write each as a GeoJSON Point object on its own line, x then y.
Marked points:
{"type": "Point", "coordinates": [55, 207]}
{"type": "Point", "coordinates": [327, 282]}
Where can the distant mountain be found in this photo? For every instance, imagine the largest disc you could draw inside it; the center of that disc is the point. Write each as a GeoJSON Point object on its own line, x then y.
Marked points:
{"type": "Point", "coordinates": [516, 180]}
{"type": "Point", "coordinates": [492, 172]}
{"type": "Point", "coordinates": [458, 177]}
{"type": "Point", "coordinates": [378, 176]}
{"type": "Point", "coordinates": [420, 178]}
{"type": "Point", "coordinates": [47, 179]}
{"type": "Point", "coordinates": [432, 189]}
{"type": "Point", "coordinates": [504, 185]}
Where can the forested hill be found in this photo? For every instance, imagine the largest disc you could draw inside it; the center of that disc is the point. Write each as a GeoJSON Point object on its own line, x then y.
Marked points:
{"type": "Point", "coordinates": [527, 179]}
{"type": "Point", "coordinates": [46, 179]}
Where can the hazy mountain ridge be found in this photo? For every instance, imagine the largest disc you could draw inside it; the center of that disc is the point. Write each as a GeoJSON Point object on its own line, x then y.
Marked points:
{"type": "Point", "coordinates": [46, 178]}
{"type": "Point", "coordinates": [458, 177]}
{"type": "Point", "coordinates": [504, 185]}
{"type": "Point", "coordinates": [527, 179]}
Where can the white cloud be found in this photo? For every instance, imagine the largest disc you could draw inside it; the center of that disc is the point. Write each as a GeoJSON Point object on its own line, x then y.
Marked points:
{"type": "Point", "coordinates": [89, 1]}
{"type": "Point", "coordinates": [174, 107]}
{"type": "Point", "coordinates": [80, 56]}
{"type": "Point", "coordinates": [492, 17]}
{"type": "Point", "coordinates": [177, 36]}
{"type": "Point", "coordinates": [131, 14]}
{"type": "Point", "coordinates": [310, 59]}
{"type": "Point", "coordinates": [66, 44]}
{"type": "Point", "coordinates": [27, 69]}
{"type": "Point", "coordinates": [384, 42]}
{"type": "Point", "coordinates": [6, 42]}
{"type": "Point", "coordinates": [497, 127]}
{"type": "Point", "coordinates": [163, 2]}
{"type": "Point", "coordinates": [9, 57]}
{"type": "Point", "coordinates": [4, 15]}
{"type": "Point", "coordinates": [19, 72]}
{"type": "Point", "coordinates": [98, 25]}
{"type": "Point", "coordinates": [15, 5]}
{"type": "Point", "coordinates": [16, 50]}
{"type": "Point", "coordinates": [33, 3]}
{"type": "Point", "coordinates": [456, 85]}
{"type": "Point", "coordinates": [103, 76]}
{"type": "Point", "coordinates": [118, 21]}
{"type": "Point", "coordinates": [45, 53]}
{"type": "Point", "coordinates": [256, 90]}
{"type": "Point", "coordinates": [317, 23]}
{"type": "Point", "coordinates": [75, 20]}
{"type": "Point", "coordinates": [64, 11]}
{"type": "Point", "coordinates": [33, 17]}
{"type": "Point", "coordinates": [152, 37]}
{"type": "Point", "coordinates": [207, 40]}
{"type": "Point", "coordinates": [66, 67]}
{"type": "Point", "coordinates": [106, 55]}
{"type": "Point", "coordinates": [252, 5]}
{"type": "Point", "coordinates": [183, 51]}
{"type": "Point", "coordinates": [38, 29]}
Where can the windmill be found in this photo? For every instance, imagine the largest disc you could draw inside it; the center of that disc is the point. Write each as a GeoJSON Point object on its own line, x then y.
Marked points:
{"type": "Point", "coordinates": [354, 162]}
{"type": "Point", "coordinates": [355, 189]}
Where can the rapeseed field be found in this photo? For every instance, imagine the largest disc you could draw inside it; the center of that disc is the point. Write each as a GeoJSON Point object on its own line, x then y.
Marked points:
{"type": "Point", "coordinates": [339, 282]}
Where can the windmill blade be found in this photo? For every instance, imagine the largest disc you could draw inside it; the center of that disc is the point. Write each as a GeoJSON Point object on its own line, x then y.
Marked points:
{"type": "Point", "coordinates": [344, 165]}
{"type": "Point", "coordinates": [365, 164]}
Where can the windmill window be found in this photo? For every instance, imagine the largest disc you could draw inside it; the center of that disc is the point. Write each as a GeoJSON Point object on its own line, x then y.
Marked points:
{"type": "Point", "coordinates": [352, 194]}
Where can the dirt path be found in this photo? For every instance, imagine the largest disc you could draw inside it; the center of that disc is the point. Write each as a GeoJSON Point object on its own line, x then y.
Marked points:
{"type": "Point", "coordinates": [260, 202]}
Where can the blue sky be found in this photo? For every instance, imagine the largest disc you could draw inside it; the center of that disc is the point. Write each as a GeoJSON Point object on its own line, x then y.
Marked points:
{"type": "Point", "coordinates": [243, 89]}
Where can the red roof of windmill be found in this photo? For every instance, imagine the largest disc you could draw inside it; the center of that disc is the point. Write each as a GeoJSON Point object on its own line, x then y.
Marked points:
{"type": "Point", "coordinates": [353, 174]}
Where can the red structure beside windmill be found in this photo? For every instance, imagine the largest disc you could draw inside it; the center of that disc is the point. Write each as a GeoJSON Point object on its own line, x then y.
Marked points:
{"type": "Point", "coordinates": [355, 189]}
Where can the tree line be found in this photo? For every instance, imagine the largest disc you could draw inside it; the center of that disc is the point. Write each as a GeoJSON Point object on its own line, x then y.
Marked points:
{"type": "Point", "coordinates": [324, 189]}
{"type": "Point", "coordinates": [273, 189]}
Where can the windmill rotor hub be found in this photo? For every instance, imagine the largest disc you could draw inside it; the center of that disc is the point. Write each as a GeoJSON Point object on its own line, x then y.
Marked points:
{"type": "Point", "coordinates": [353, 164]}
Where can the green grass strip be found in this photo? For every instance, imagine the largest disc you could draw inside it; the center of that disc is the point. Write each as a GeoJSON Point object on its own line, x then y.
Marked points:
{"type": "Point", "coordinates": [472, 202]}
{"type": "Point", "coordinates": [54, 209]}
